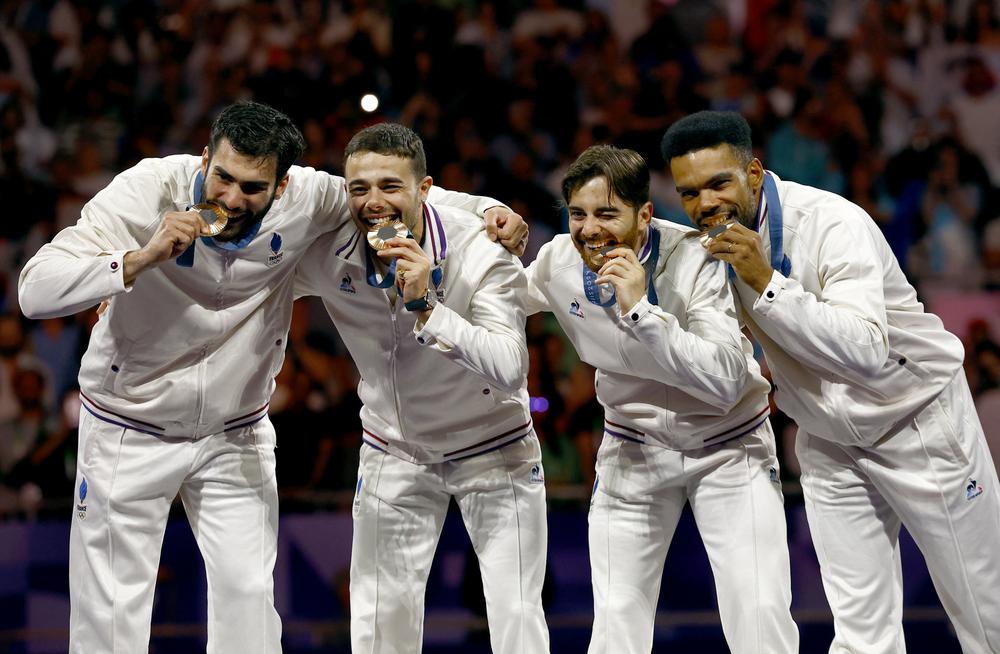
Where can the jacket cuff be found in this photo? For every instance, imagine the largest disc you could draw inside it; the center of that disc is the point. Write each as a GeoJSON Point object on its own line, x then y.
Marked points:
{"type": "Point", "coordinates": [771, 293]}
{"type": "Point", "coordinates": [428, 333]}
{"type": "Point", "coordinates": [114, 268]}
{"type": "Point", "coordinates": [636, 313]}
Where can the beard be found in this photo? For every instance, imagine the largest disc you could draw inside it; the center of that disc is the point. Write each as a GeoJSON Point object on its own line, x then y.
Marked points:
{"type": "Point", "coordinates": [241, 223]}
{"type": "Point", "coordinates": [593, 260]}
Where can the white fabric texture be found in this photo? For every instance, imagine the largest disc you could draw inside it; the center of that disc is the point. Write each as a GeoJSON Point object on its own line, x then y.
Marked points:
{"type": "Point", "coordinates": [735, 495]}
{"type": "Point", "coordinates": [888, 432]}
{"type": "Point", "coordinates": [227, 484]}
{"type": "Point", "coordinates": [935, 477]}
{"type": "Point", "coordinates": [399, 511]}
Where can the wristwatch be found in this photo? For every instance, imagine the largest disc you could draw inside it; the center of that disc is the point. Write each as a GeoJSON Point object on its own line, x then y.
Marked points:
{"type": "Point", "coordinates": [425, 303]}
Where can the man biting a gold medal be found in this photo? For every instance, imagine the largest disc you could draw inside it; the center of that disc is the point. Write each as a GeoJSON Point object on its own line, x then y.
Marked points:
{"type": "Point", "coordinates": [437, 334]}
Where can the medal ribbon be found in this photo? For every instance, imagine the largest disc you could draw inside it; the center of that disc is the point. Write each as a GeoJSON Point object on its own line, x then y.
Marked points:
{"type": "Point", "coordinates": [590, 287]}
{"type": "Point", "coordinates": [775, 232]}
{"type": "Point", "coordinates": [774, 228]}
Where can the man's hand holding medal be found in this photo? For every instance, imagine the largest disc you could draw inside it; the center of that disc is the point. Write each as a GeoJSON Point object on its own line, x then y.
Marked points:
{"type": "Point", "coordinates": [391, 240]}
{"type": "Point", "coordinates": [621, 269]}
{"type": "Point", "coordinates": [175, 234]}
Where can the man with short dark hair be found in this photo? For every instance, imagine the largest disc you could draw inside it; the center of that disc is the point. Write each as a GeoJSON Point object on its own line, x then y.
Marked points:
{"type": "Point", "coordinates": [176, 380]}
{"type": "Point", "coordinates": [431, 312]}
{"type": "Point", "coordinates": [685, 411]}
{"type": "Point", "coordinates": [888, 433]}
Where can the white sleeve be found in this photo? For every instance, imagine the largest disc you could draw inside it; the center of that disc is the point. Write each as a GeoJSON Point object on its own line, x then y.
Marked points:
{"type": "Point", "coordinates": [477, 204]}
{"type": "Point", "coordinates": [844, 328]}
{"type": "Point", "coordinates": [491, 342]}
{"type": "Point", "coordinates": [705, 360]}
{"type": "Point", "coordinates": [311, 276]}
{"type": "Point", "coordinates": [535, 301]}
{"type": "Point", "coordinates": [83, 264]}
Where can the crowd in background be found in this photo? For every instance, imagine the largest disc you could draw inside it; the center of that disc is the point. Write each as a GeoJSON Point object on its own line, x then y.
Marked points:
{"type": "Point", "coordinates": [892, 103]}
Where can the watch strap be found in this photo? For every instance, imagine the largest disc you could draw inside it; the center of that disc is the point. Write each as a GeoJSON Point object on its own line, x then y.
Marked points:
{"type": "Point", "coordinates": [422, 303]}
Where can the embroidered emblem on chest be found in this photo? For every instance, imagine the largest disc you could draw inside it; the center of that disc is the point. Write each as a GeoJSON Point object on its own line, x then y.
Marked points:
{"type": "Point", "coordinates": [276, 254]}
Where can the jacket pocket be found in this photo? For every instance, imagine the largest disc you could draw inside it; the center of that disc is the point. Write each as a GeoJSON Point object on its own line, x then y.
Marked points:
{"type": "Point", "coordinates": [899, 377]}
{"type": "Point", "coordinates": [117, 364]}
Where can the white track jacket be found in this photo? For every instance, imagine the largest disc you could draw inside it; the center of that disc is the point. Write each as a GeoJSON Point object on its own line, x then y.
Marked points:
{"type": "Point", "coordinates": [184, 352]}
{"type": "Point", "coordinates": [851, 351]}
{"type": "Point", "coordinates": [455, 387]}
{"type": "Point", "coordinates": [678, 374]}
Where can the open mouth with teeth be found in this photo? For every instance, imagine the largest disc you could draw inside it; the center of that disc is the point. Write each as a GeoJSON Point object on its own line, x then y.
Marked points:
{"type": "Point", "coordinates": [708, 223]}
{"type": "Point", "coordinates": [600, 250]}
{"type": "Point", "coordinates": [376, 220]}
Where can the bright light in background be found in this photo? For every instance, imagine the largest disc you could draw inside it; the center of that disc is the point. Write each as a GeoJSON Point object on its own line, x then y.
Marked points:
{"type": "Point", "coordinates": [369, 102]}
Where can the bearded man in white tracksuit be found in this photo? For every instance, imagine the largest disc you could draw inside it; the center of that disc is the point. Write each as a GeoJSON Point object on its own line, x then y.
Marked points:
{"type": "Point", "coordinates": [888, 433]}
{"type": "Point", "coordinates": [685, 411]}
{"type": "Point", "coordinates": [176, 379]}
{"type": "Point", "coordinates": [435, 324]}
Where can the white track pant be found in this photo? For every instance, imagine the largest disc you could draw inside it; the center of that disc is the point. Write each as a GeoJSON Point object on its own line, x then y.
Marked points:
{"type": "Point", "coordinates": [227, 484]}
{"type": "Point", "coordinates": [737, 504]}
{"type": "Point", "coordinates": [399, 511]}
{"type": "Point", "coordinates": [936, 477]}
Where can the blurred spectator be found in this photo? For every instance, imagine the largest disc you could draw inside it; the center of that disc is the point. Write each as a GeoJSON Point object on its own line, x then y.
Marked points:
{"type": "Point", "coordinates": [991, 254]}
{"type": "Point", "coordinates": [316, 409]}
{"type": "Point", "coordinates": [976, 109]}
{"type": "Point", "coordinates": [949, 209]}
{"type": "Point", "coordinates": [982, 26]}
{"type": "Point", "coordinates": [983, 369]}
{"type": "Point", "coordinates": [16, 77]}
{"type": "Point", "coordinates": [788, 84]}
{"type": "Point", "coordinates": [523, 192]}
{"type": "Point", "coordinates": [866, 189]}
{"type": "Point", "coordinates": [56, 342]}
{"type": "Point", "coordinates": [483, 30]}
{"type": "Point", "coordinates": [29, 145]}
{"type": "Point", "coordinates": [91, 173]}
{"type": "Point", "coordinates": [13, 358]}
{"type": "Point", "coordinates": [798, 152]}
{"type": "Point", "coordinates": [988, 407]}
{"type": "Point", "coordinates": [844, 126]}
{"type": "Point", "coordinates": [524, 136]}
{"type": "Point", "coordinates": [982, 358]}
{"type": "Point", "coordinates": [717, 55]}
{"type": "Point", "coordinates": [19, 436]}
{"type": "Point", "coordinates": [546, 19]}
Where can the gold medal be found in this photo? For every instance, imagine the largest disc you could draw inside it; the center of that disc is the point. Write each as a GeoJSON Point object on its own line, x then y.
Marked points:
{"type": "Point", "coordinates": [384, 231]}
{"type": "Point", "coordinates": [215, 216]}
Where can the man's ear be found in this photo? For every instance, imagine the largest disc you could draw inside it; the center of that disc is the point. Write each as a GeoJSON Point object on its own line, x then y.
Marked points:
{"type": "Point", "coordinates": [645, 215]}
{"type": "Point", "coordinates": [755, 175]}
{"type": "Point", "coordinates": [280, 188]}
{"type": "Point", "coordinates": [205, 159]}
{"type": "Point", "coordinates": [425, 186]}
